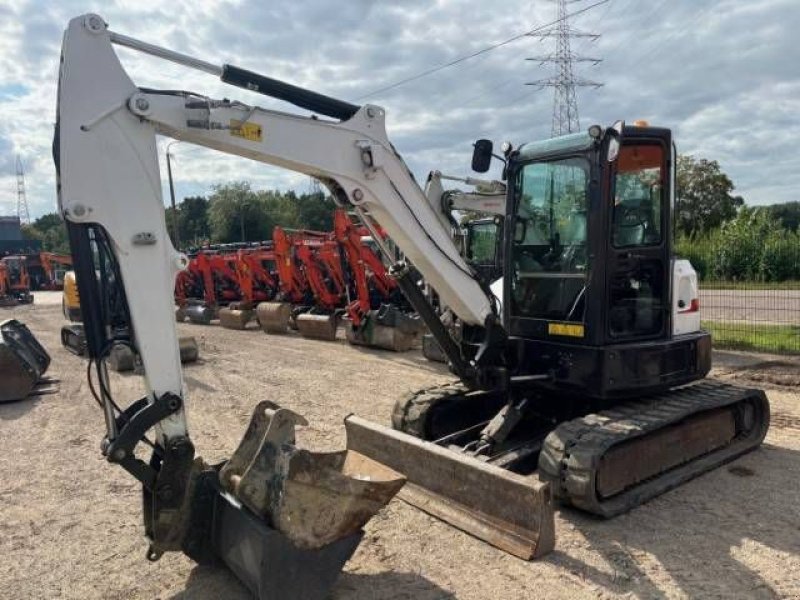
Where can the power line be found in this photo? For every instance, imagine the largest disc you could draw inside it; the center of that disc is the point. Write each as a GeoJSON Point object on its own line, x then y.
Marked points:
{"type": "Point", "coordinates": [466, 57]}
{"type": "Point", "coordinates": [564, 82]}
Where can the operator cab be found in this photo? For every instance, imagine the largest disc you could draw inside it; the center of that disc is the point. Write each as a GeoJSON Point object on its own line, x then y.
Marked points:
{"type": "Point", "coordinates": [588, 285]}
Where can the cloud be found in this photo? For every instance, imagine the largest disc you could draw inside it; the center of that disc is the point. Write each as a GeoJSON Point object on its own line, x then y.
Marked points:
{"type": "Point", "coordinates": [722, 74]}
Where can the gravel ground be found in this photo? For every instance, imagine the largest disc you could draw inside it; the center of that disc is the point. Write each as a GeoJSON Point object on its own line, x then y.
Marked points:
{"type": "Point", "coordinates": [70, 522]}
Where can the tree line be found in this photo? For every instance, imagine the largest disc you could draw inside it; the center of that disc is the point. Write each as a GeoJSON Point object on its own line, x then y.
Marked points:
{"type": "Point", "coordinates": [233, 212]}
{"type": "Point", "coordinates": [724, 238]}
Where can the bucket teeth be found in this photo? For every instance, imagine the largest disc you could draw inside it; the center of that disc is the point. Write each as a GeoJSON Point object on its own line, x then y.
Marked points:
{"type": "Point", "coordinates": [318, 327]}
{"type": "Point", "coordinates": [273, 317]}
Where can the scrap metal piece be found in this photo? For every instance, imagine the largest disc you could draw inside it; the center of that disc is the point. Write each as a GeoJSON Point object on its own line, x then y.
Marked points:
{"type": "Point", "coordinates": [23, 361]}
{"type": "Point", "coordinates": [273, 317]}
{"type": "Point", "coordinates": [507, 510]}
{"type": "Point", "coordinates": [314, 499]}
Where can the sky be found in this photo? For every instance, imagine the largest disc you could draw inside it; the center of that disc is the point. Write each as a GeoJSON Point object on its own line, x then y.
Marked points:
{"type": "Point", "coordinates": [722, 74]}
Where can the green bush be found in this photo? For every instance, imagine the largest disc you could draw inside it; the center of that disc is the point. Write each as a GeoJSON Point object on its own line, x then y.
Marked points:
{"type": "Point", "coordinates": [780, 260]}
{"type": "Point", "coordinates": [751, 247]}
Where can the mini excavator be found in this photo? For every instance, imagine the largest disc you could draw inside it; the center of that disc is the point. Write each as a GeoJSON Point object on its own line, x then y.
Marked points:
{"type": "Point", "coordinates": [581, 378]}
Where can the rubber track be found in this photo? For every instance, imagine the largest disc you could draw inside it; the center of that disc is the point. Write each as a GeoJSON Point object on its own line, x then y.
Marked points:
{"type": "Point", "coordinates": [572, 452]}
{"type": "Point", "coordinates": [410, 413]}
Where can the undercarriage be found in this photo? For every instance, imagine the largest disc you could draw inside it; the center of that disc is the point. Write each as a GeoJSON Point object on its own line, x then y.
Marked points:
{"type": "Point", "coordinates": [602, 458]}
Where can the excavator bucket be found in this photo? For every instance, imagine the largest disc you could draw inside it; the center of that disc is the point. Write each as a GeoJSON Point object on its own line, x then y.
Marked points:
{"type": "Point", "coordinates": [318, 327]}
{"type": "Point", "coordinates": [23, 361]}
{"type": "Point", "coordinates": [507, 510]}
{"type": "Point", "coordinates": [375, 335]}
{"type": "Point", "coordinates": [200, 314]}
{"type": "Point", "coordinates": [273, 317]}
{"type": "Point", "coordinates": [122, 358]}
{"type": "Point", "coordinates": [235, 318]}
{"type": "Point", "coordinates": [386, 328]}
{"type": "Point", "coordinates": [312, 498]}
{"type": "Point", "coordinates": [286, 520]}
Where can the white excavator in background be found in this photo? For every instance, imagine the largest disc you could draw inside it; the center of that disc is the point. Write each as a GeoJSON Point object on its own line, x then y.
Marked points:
{"type": "Point", "coordinates": [576, 373]}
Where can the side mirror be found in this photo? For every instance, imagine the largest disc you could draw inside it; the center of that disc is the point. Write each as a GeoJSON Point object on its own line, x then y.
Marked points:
{"type": "Point", "coordinates": [615, 140]}
{"type": "Point", "coordinates": [520, 230]}
{"type": "Point", "coordinates": [482, 156]}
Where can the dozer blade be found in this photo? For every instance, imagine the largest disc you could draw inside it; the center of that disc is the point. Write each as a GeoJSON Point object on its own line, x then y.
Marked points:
{"type": "Point", "coordinates": [318, 327]}
{"type": "Point", "coordinates": [23, 361]}
{"type": "Point", "coordinates": [509, 511]}
{"type": "Point", "coordinates": [610, 462]}
{"type": "Point", "coordinates": [273, 317]}
{"type": "Point", "coordinates": [375, 335]}
{"type": "Point", "coordinates": [234, 318]}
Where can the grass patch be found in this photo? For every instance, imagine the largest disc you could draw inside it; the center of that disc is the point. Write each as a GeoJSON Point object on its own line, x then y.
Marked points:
{"type": "Point", "coordinates": [750, 285]}
{"type": "Point", "coordinates": [780, 339]}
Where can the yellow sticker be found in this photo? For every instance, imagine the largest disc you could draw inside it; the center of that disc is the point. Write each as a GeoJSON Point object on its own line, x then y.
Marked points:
{"type": "Point", "coordinates": [568, 329]}
{"type": "Point", "coordinates": [248, 131]}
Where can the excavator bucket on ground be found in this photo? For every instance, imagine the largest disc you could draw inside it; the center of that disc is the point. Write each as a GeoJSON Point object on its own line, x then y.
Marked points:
{"type": "Point", "coordinates": [122, 358]}
{"type": "Point", "coordinates": [509, 511]}
{"type": "Point", "coordinates": [274, 317]}
{"type": "Point", "coordinates": [318, 327]}
{"type": "Point", "coordinates": [286, 519]}
{"type": "Point", "coordinates": [386, 328]}
{"type": "Point", "coordinates": [200, 313]}
{"type": "Point", "coordinates": [233, 317]}
{"type": "Point", "coordinates": [23, 361]}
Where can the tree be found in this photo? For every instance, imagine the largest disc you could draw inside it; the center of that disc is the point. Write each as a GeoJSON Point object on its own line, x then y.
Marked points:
{"type": "Point", "coordinates": [234, 215]}
{"type": "Point", "coordinates": [314, 211]}
{"type": "Point", "coordinates": [788, 214]}
{"type": "Point", "coordinates": [704, 196]}
{"type": "Point", "coordinates": [51, 231]}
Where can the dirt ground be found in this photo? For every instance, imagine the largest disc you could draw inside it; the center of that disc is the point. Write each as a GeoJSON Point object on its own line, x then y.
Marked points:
{"type": "Point", "coordinates": [70, 522]}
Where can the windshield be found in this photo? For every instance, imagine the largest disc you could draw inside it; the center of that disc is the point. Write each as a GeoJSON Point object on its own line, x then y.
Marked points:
{"type": "Point", "coordinates": [482, 240]}
{"type": "Point", "coordinates": [549, 258]}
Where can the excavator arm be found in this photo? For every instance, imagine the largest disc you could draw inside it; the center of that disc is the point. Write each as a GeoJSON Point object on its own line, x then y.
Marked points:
{"type": "Point", "coordinates": [109, 193]}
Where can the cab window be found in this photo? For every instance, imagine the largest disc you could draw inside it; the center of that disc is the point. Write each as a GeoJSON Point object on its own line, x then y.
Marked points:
{"type": "Point", "coordinates": [638, 192]}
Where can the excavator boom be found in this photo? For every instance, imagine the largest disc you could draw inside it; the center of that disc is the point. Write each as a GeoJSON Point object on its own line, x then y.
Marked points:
{"type": "Point", "coordinates": [109, 194]}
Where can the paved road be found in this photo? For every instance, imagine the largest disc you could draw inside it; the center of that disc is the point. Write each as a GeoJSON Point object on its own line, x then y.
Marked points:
{"type": "Point", "coordinates": [765, 306]}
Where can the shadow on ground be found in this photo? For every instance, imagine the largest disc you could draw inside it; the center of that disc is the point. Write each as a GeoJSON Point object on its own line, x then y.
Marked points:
{"type": "Point", "coordinates": [207, 583]}
{"type": "Point", "coordinates": [700, 548]}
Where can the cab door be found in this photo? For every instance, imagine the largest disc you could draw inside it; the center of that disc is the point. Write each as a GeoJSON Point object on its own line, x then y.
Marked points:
{"type": "Point", "coordinates": [638, 241]}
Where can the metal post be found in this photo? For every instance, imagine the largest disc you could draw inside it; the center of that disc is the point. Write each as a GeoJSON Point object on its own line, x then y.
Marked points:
{"type": "Point", "coordinates": [175, 233]}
